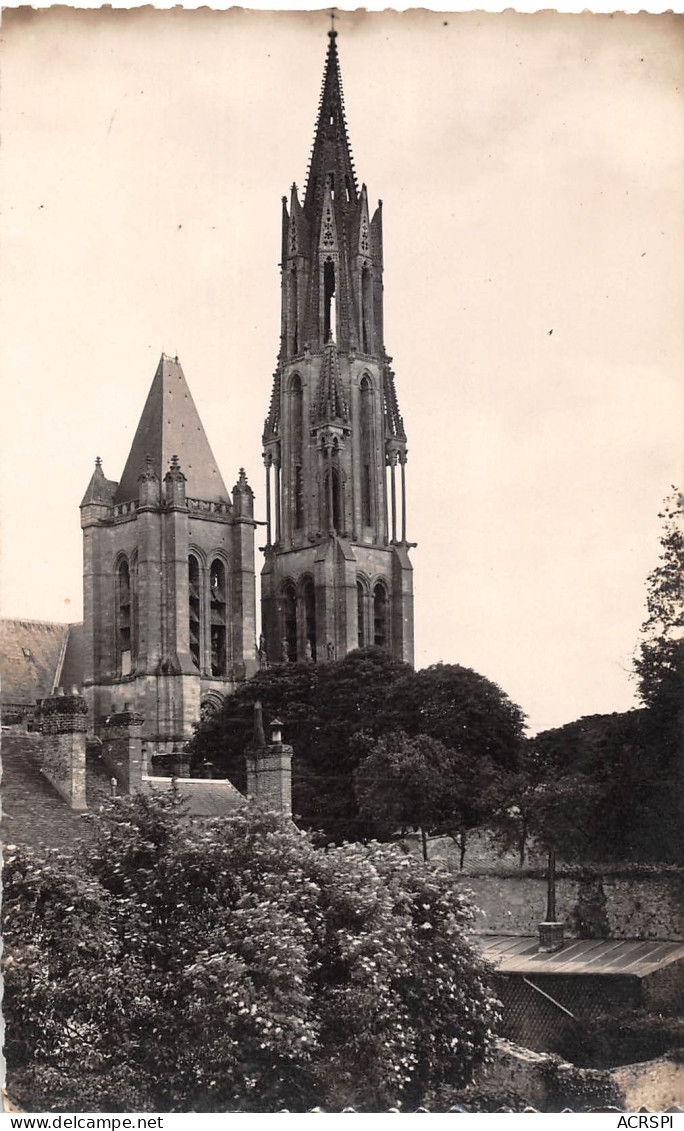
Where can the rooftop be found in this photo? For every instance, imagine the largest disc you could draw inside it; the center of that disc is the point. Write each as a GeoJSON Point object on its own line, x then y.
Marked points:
{"type": "Point", "coordinates": [516, 955]}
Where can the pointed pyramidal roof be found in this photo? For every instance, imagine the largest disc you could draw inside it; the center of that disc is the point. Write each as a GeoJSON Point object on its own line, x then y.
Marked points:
{"type": "Point", "coordinates": [330, 404]}
{"type": "Point", "coordinates": [331, 151]}
{"type": "Point", "coordinates": [170, 426]}
{"type": "Point", "coordinates": [99, 490]}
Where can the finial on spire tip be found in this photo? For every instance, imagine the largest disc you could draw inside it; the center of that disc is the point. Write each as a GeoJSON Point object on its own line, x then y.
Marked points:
{"type": "Point", "coordinates": [332, 33]}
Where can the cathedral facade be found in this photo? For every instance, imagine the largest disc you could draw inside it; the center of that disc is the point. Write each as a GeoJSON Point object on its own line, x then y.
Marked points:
{"type": "Point", "coordinates": [337, 574]}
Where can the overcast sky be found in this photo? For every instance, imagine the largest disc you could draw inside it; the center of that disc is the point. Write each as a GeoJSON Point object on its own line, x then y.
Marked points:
{"type": "Point", "coordinates": [531, 170]}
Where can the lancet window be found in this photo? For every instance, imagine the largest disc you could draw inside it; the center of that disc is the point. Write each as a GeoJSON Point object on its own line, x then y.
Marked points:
{"type": "Point", "coordinates": [123, 586]}
{"type": "Point", "coordinates": [195, 610]}
{"type": "Point", "coordinates": [219, 617]}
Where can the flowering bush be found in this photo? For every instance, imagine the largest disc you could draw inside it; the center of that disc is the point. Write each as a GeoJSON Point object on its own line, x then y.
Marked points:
{"type": "Point", "coordinates": [231, 965]}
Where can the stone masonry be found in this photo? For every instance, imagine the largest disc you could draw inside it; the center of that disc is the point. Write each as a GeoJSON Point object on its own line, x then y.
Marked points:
{"type": "Point", "coordinates": [62, 751]}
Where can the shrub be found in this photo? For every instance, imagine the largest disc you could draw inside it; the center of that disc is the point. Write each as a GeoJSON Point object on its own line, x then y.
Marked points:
{"type": "Point", "coordinates": [231, 965]}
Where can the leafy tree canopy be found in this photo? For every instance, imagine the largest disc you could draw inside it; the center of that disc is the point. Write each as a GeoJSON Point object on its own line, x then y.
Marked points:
{"type": "Point", "coordinates": [231, 965]}
{"type": "Point", "coordinates": [333, 713]}
{"type": "Point", "coordinates": [462, 709]}
{"type": "Point", "coordinates": [595, 789]}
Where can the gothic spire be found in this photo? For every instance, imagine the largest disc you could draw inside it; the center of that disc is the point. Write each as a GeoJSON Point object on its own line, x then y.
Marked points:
{"type": "Point", "coordinates": [331, 161]}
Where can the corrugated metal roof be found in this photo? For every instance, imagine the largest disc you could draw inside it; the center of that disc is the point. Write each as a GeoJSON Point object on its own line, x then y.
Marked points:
{"type": "Point", "coordinates": [516, 955]}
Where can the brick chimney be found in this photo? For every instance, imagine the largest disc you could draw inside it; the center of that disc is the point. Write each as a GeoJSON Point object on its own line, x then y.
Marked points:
{"type": "Point", "coordinates": [269, 766]}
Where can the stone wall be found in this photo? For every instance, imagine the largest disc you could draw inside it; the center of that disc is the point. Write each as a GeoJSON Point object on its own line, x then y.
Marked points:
{"type": "Point", "coordinates": [636, 906]}
{"type": "Point", "coordinates": [122, 750]}
{"type": "Point", "coordinates": [656, 1084]}
{"type": "Point", "coordinates": [61, 753]}
{"type": "Point", "coordinates": [549, 1084]}
{"type": "Point", "coordinates": [512, 900]}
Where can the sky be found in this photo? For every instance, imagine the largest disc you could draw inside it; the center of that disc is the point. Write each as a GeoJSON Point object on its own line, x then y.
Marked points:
{"type": "Point", "coordinates": [531, 170]}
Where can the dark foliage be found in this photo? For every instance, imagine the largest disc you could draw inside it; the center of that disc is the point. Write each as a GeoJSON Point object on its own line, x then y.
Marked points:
{"type": "Point", "coordinates": [606, 792]}
{"type": "Point", "coordinates": [334, 713]}
{"type": "Point", "coordinates": [605, 1041]}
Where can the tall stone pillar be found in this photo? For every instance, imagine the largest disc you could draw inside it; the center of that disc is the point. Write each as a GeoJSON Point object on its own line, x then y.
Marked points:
{"type": "Point", "coordinates": [62, 754]}
{"type": "Point", "coordinates": [122, 748]}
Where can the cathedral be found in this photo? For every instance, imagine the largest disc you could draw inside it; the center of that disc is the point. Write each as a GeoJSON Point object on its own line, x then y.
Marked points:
{"type": "Point", "coordinates": [169, 621]}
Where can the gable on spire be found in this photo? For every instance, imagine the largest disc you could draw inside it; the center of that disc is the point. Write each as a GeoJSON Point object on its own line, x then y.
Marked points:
{"type": "Point", "coordinates": [170, 426]}
{"type": "Point", "coordinates": [330, 405]}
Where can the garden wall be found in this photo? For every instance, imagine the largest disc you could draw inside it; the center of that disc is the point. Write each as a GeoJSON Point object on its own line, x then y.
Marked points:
{"type": "Point", "coordinates": [634, 902]}
{"type": "Point", "coordinates": [549, 1083]}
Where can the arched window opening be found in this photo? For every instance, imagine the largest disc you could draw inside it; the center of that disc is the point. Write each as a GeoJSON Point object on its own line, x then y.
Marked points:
{"type": "Point", "coordinates": [334, 496]}
{"type": "Point", "coordinates": [124, 617]}
{"type": "Point", "coordinates": [329, 328]}
{"type": "Point", "coordinates": [219, 619]}
{"type": "Point", "coordinates": [309, 596]}
{"type": "Point", "coordinates": [347, 187]}
{"type": "Point", "coordinates": [366, 451]}
{"type": "Point", "coordinates": [194, 610]}
{"type": "Point", "coordinates": [289, 624]}
{"type": "Point", "coordinates": [294, 311]}
{"type": "Point", "coordinates": [361, 614]}
{"type": "Point", "coordinates": [380, 616]}
{"type": "Point", "coordinates": [135, 609]}
{"type": "Point", "coordinates": [297, 434]}
{"type": "Point", "coordinates": [366, 328]}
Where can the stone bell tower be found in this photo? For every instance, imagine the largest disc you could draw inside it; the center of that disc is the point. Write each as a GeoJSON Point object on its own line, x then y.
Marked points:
{"type": "Point", "coordinates": [169, 593]}
{"type": "Point", "coordinates": [337, 574]}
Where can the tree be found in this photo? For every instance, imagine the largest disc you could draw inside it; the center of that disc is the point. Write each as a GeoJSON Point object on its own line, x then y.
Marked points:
{"type": "Point", "coordinates": [232, 965]}
{"type": "Point", "coordinates": [467, 712]}
{"type": "Point", "coordinates": [659, 663]}
{"type": "Point", "coordinates": [402, 784]}
{"type": "Point", "coordinates": [593, 790]}
{"type": "Point", "coordinates": [332, 713]}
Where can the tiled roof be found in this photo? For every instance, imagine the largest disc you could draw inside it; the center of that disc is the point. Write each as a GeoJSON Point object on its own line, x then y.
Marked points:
{"type": "Point", "coordinates": [204, 797]}
{"type": "Point", "coordinates": [30, 657]}
{"type": "Point", "coordinates": [515, 955]}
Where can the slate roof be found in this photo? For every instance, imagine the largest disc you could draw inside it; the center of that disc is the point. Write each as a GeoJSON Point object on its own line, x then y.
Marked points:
{"type": "Point", "coordinates": [204, 797]}
{"type": "Point", "coordinates": [170, 426]}
{"type": "Point", "coordinates": [30, 656]}
{"type": "Point", "coordinates": [515, 955]}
